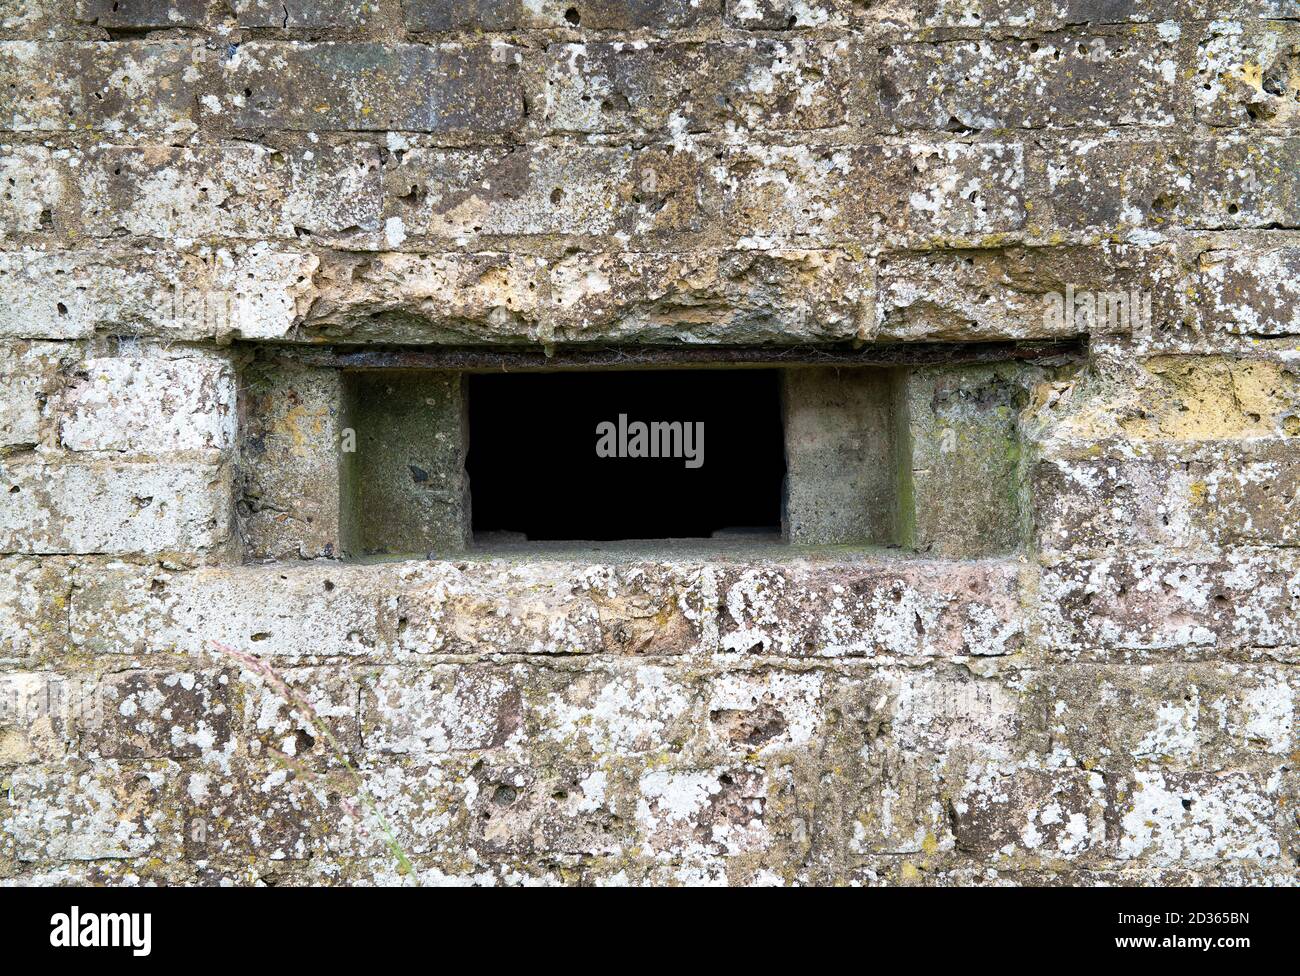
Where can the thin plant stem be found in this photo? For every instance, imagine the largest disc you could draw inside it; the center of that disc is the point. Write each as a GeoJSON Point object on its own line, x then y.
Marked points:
{"type": "Point", "coordinates": [304, 707]}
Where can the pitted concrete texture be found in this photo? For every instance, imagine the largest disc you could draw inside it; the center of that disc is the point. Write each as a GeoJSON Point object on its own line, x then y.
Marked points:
{"type": "Point", "coordinates": [1057, 643]}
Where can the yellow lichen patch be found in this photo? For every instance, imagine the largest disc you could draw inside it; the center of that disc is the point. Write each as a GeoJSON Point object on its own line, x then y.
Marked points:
{"type": "Point", "coordinates": [1203, 398]}
{"type": "Point", "coordinates": [1250, 74]}
{"type": "Point", "coordinates": [1189, 398]}
{"type": "Point", "coordinates": [302, 425]}
{"type": "Point", "coordinates": [14, 747]}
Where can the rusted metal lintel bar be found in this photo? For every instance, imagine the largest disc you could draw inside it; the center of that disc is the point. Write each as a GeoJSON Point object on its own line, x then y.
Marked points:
{"type": "Point", "coordinates": [485, 358]}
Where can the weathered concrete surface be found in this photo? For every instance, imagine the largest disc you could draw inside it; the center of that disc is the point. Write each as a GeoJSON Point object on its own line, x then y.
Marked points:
{"type": "Point", "coordinates": [251, 291]}
{"type": "Point", "coordinates": [114, 507]}
{"type": "Point", "coordinates": [1087, 675]}
{"type": "Point", "coordinates": [959, 459]}
{"type": "Point", "coordinates": [404, 487]}
{"type": "Point", "coordinates": [288, 506]}
{"type": "Point", "coordinates": [126, 90]}
{"type": "Point", "coordinates": [898, 608]}
{"type": "Point", "coordinates": [615, 87]}
{"type": "Point", "coordinates": [1003, 293]}
{"type": "Point", "coordinates": [1084, 77]}
{"type": "Point", "coordinates": [415, 87]}
{"type": "Point", "coordinates": [839, 456]}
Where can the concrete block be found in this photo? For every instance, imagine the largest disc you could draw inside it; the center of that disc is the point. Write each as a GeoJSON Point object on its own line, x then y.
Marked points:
{"type": "Point", "coordinates": [840, 466]}
{"type": "Point", "coordinates": [288, 502]}
{"type": "Point", "coordinates": [959, 492]}
{"type": "Point", "coordinates": [405, 488]}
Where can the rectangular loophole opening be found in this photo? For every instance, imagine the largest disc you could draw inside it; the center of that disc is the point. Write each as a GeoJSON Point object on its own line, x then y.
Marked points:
{"type": "Point", "coordinates": [625, 455]}
{"type": "Point", "coordinates": [361, 454]}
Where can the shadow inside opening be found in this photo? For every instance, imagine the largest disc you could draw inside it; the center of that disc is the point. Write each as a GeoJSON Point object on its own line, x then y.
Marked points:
{"type": "Point", "coordinates": [625, 455]}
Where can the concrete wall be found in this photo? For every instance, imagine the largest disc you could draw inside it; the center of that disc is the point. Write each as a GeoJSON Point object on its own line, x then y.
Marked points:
{"type": "Point", "coordinates": [1106, 694]}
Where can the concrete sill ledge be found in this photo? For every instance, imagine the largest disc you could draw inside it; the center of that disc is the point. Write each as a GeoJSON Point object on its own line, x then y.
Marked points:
{"type": "Point", "coordinates": [822, 604]}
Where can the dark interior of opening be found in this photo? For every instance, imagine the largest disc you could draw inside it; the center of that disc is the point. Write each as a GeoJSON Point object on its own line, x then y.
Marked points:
{"type": "Point", "coordinates": [550, 459]}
